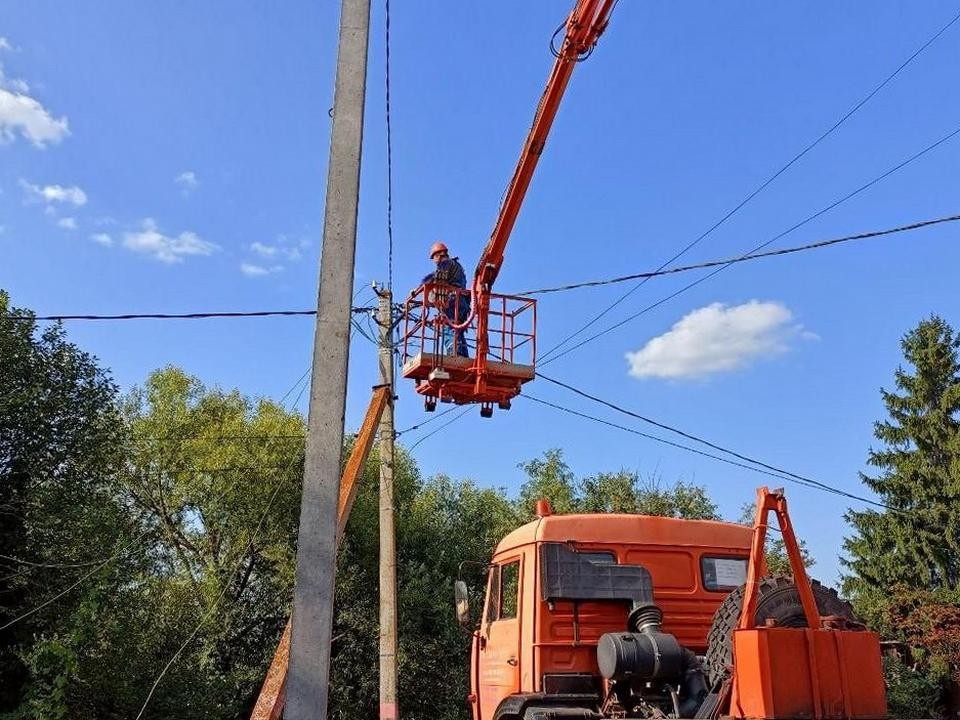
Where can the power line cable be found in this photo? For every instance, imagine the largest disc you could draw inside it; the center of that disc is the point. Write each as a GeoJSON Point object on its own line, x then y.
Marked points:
{"type": "Point", "coordinates": [83, 578]}
{"type": "Point", "coordinates": [389, 148]}
{"type": "Point", "coordinates": [306, 374]}
{"type": "Point", "coordinates": [179, 316]}
{"type": "Point", "coordinates": [689, 436]}
{"type": "Point", "coordinates": [442, 427]}
{"type": "Point", "coordinates": [224, 439]}
{"type": "Point", "coordinates": [363, 333]}
{"type": "Point", "coordinates": [760, 188]}
{"type": "Point", "coordinates": [744, 258]}
{"type": "Point", "coordinates": [437, 416]}
{"type": "Point", "coordinates": [539, 291]}
{"type": "Point", "coordinates": [28, 563]}
{"type": "Point", "coordinates": [759, 247]}
{"type": "Point", "coordinates": [664, 441]}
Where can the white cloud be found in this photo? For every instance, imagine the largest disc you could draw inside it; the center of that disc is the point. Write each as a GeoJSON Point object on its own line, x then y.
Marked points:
{"type": "Point", "coordinates": [166, 248]}
{"type": "Point", "coordinates": [717, 338]}
{"type": "Point", "coordinates": [264, 250]}
{"type": "Point", "coordinates": [5, 44]}
{"type": "Point", "coordinates": [54, 193]}
{"type": "Point", "coordinates": [102, 239]}
{"type": "Point", "coordinates": [284, 247]}
{"type": "Point", "coordinates": [67, 223]}
{"type": "Point", "coordinates": [252, 270]}
{"type": "Point", "coordinates": [23, 114]}
{"type": "Point", "coordinates": [187, 180]}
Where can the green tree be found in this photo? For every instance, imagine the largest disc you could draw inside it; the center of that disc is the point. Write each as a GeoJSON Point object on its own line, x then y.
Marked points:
{"type": "Point", "coordinates": [609, 492]}
{"type": "Point", "coordinates": [60, 451]}
{"type": "Point", "coordinates": [212, 482]}
{"type": "Point", "coordinates": [218, 476]}
{"type": "Point", "coordinates": [904, 560]}
{"type": "Point", "coordinates": [548, 478]}
{"type": "Point", "coordinates": [682, 500]}
{"type": "Point", "coordinates": [917, 541]}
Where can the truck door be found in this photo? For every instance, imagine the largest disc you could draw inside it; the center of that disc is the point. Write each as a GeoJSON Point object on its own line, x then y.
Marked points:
{"type": "Point", "coordinates": [499, 671]}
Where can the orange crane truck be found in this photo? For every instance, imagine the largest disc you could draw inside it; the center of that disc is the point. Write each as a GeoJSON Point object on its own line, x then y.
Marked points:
{"type": "Point", "coordinates": [589, 617]}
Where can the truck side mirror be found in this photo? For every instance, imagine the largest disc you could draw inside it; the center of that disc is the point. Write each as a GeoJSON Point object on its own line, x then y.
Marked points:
{"type": "Point", "coordinates": [461, 600]}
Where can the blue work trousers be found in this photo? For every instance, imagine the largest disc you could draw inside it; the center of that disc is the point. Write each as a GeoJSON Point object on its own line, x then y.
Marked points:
{"type": "Point", "coordinates": [451, 336]}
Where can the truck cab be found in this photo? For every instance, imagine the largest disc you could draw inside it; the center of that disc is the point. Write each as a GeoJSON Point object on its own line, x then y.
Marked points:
{"type": "Point", "coordinates": [556, 585]}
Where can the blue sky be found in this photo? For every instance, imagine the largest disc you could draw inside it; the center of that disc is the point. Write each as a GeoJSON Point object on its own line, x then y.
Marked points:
{"type": "Point", "coordinates": [171, 157]}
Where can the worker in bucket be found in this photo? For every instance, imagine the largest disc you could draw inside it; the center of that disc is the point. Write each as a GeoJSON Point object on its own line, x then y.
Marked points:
{"type": "Point", "coordinates": [450, 272]}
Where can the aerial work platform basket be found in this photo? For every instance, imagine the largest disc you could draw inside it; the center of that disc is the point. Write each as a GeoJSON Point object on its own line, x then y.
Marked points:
{"type": "Point", "coordinates": [498, 334]}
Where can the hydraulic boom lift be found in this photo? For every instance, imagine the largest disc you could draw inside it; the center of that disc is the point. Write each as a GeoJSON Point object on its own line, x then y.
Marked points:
{"type": "Point", "coordinates": [505, 326]}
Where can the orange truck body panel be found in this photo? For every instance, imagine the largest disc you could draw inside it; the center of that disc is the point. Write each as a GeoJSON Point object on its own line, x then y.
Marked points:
{"type": "Point", "coordinates": [512, 655]}
{"type": "Point", "coordinates": [802, 673]}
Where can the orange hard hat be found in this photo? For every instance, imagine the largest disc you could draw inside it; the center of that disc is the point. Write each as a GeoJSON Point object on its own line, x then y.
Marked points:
{"type": "Point", "coordinates": [437, 247]}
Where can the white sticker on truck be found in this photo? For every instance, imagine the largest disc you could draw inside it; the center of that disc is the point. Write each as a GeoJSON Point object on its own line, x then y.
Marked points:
{"type": "Point", "coordinates": [730, 572]}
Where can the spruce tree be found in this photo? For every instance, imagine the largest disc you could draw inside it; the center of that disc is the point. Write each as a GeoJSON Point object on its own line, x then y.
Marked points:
{"type": "Point", "coordinates": [916, 542]}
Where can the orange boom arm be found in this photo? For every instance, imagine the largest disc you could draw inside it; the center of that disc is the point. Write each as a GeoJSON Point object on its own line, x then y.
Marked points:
{"type": "Point", "coordinates": [584, 26]}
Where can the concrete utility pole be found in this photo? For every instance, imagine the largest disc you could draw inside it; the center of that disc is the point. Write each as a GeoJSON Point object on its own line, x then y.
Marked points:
{"type": "Point", "coordinates": [309, 669]}
{"type": "Point", "coordinates": [388, 551]}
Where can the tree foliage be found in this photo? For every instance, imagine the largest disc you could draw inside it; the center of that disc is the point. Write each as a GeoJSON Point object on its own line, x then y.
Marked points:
{"type": "Point", "coordinates": [550, 477]}
{"type": "Point", "coordinates": [60, 443]}
{"type": "Point", "coordinates": [917, 542]}
{"type": "Point", "coordinates": [904, 560]}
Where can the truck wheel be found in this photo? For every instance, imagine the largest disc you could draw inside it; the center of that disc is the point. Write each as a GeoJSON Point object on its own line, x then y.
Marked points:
{"type": "Point", "coordinates": [778, 600]}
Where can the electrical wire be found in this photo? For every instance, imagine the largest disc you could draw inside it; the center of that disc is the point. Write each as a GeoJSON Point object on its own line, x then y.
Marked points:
{"type": "Point", "coordinates": [224, 439]}
{"type": "Point", "coordinates": [442, 427]}
{"type": "Point", "coordinates": [189, 469]}
{"type": "Point", "coordinates": [179, 316]}
{"type": "Point", "coordinates": [28, 563]}
{"type": "Point", "coordinates": [363, 333]}
{"type": "Point", "coordinates": [680, 446]}
{"type": "Point", "coordinates": [760, 188]}
{"type": "Point", "coordinates": [786, 474]}
{"type": "Point", "coordinates": [288, 393]}
{"type": "Point", "coordinates": [437, 416]}
{"type": "Point", "coordinates": [389, 149]}
{"type": "Point", "coordinates": [744, 258]}
{"type": "Point", "coordinates": [116, 556]}
{"type": "Point", "coordinates": [759, 247]}
{"type": "Point", "coordinates": [657, 439]}
{"type": "Point", "coordinates": [539, 291]}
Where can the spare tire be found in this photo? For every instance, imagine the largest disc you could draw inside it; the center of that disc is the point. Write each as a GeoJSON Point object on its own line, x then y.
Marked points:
{"type": "Point", "coordinates": [778, 600]}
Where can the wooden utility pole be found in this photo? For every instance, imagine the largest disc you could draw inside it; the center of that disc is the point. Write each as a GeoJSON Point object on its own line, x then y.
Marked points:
{"type": "Point", "coordinates": [388, 551]}
{"type": "Point", "coordinates": [309, 669]}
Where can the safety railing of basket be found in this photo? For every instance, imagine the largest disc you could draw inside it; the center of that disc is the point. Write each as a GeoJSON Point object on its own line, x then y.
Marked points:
{"type": "Point", "coordinates": [511, 325]}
